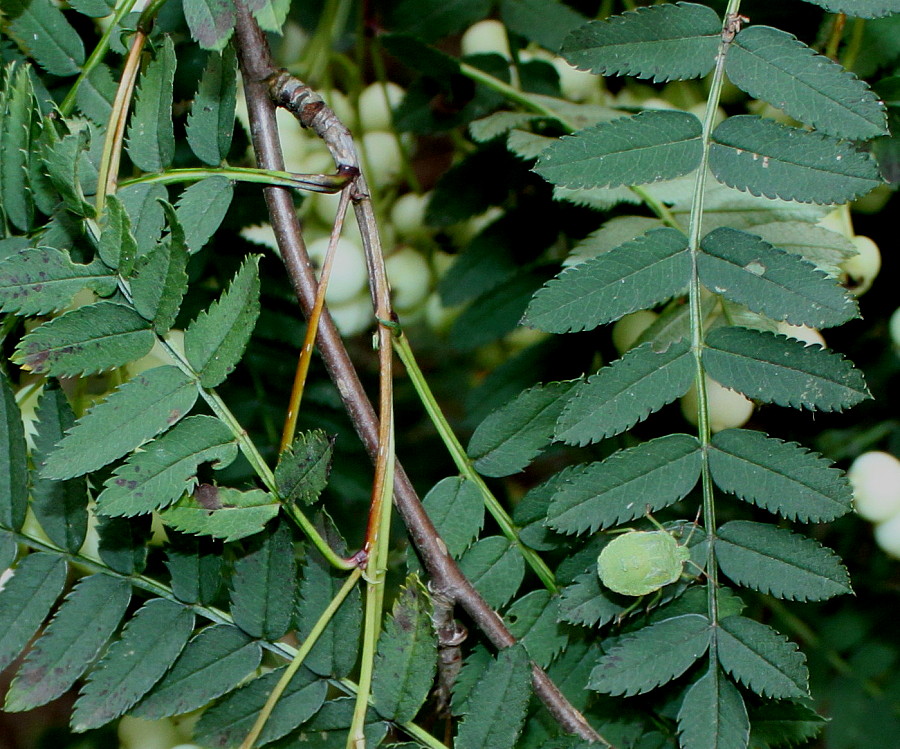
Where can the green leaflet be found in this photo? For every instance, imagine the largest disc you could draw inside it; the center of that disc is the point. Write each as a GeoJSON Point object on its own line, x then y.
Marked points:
{"type": "Point", "coordinates": [59, 506]}
{"type": "Point", "coordinates": [762, 659]}
{"type": "Point", "coordinates": [303, 468]}
{"type": "Point", "coordinates": [456, 508]}
{"type": "Point", "coordinates": [860, 8]}
{"type": "Point", "coordinates": [584, 602]}
{"type": "Point", "coordinates": [117, 246]}
{"type": "Point", "coordinates": [46, 198]}
{"type": "Point", "coordinates": [15, 132]}
{"type": "Point", "coordinates": [86, 620]}
{"type": "Point", "coordinates": [212, 663]}
{"type": "Point", "coordinates": [331, 723]}
{"type": "Point", "coordinates": [150, 644]}
{"type": "Point", "coordinates": [534, 621]}
{"type": "Point", "coordinates": [96, 94]}
{"type": "Point", "coordinates": [26, 599]}
{"type": "Point", "coordinates": [664, 42]}
{"type": "Point", "coordinates": [211, 22]}
{"type": "Point", "coordinates": [37, 281]}
{"type": "Point", "coordinates": [86, 340]}
{"type": "Point", "coordinates": [647, 147]}
{"type": "Point", "coordinates": [166, 468]}
{"type": "Point", "coordinates": [136, 411]}
{"type": "Point", "coordinates": [215, 341]}
{"type": "Point", "coordinates": [626, 392]}
{"type": "Point", "coordinates": [531, 512]}
{"type": "Point", "coordinates": [263, 586]}
{"type": "Point", "coordinates": [782, 477]}
{"type": "Point", "coordinates": [615, 232]}
{"type": "Point", "coordinates": [211, 121]}
{"type": "Point", "coordinates": [776, 722]}
{"type": "Point", "coordinates": [713, 714]}
{"type": "Point", "coordinates": [775, 561]}
{"type": "Point", "coordinates": [571, 671]}
{"type": "Point", "coordinates": [654, 474]}
{"type": "Point", "coordinates": [201, 209]}
{"type": "Point", "coordinates": [495, 568]}
{"type": "Point", "coordinates": [62, 158]}
{"type": "Point", "coordinates": [513, 435]}
{"type": "Point", "coordinates": [543, 21]}
{"type": "Point", "coordinates": [228, 722]}
{"type": "Point", "coordinates": [825, 248]}
{"type": "Point", "coordinates": [334, 653]}
{"type": "Point", "coordinates": [144, 204]}
{"type": "Point", "coordinates": [652, 656]}
{"type": "Point", "coordinates": [270, 14]}
{"type": "Point", "coordinates": [197, 574]}
{"type": "Point", "coordinates": [406, 660]}
{"type": "Point", "coordinates": [783, 286]}
{"type": "Point", "coordinates": [13, 460]}
{"type": "Point", "coordinates": [160, 279]}
{"type": "Point", "coordinates": [43, 32]}
{"type": "Point", "coordinates": [151, 138]}
{"type": "Point", "coordinates": [766, 158]}
{"type": "Point", "coordinates": [123, 544]}
{"type": "Point", "coordinates": [223, 513]}
{"type": "Point", "coordinates": [776, 369]}
{"type": "Point", "coordinates": [775, 66]}
{"type": "Point", "coordinates": [496, 706]}
{"type": "Point", "coordinates": [473, 668]}
{"type": "Point", "coordinates": [9, 550]}
{"type": "Point", "coordinates": [636, 275]}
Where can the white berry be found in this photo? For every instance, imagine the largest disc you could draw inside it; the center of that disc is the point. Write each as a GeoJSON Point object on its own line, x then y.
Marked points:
{"type": "Point", "coordinates": [862, 269]}
{"type": "Point", "coordinates": [728, 409]}
{"type": "Point", "coordinates": [348, 271]}
{"type": "Point", "coordinates": [803, 333]}
{"type": "Point", "coordinates": [887, 536]}
{"type": "Point", "coordinates": [375, 105]}
{"type": "Point", "coordinates": [875, 477]}
{"type": "Point", "coordinates": [410, 278]}
{"type": "Point", "coordinates": [486, 37]}
{"type": "Point", "coordinates": [627, 330]}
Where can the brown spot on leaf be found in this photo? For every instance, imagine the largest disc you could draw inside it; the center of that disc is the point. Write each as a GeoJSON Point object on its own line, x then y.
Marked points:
{"type": "Point", "coordinates": [207, 496]}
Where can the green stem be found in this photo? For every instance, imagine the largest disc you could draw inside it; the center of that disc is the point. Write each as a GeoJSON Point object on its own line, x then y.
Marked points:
{"type": "Point", "coordinates": [299, 657]}
{"type": "Point", "coordinates": [327, 183]}
{"type": "Point", "coordinates": [464, 464]}
{"type": "Point", "coordinates": [99, 52]}
{"type": "Point", "coordinates": [697, 334]}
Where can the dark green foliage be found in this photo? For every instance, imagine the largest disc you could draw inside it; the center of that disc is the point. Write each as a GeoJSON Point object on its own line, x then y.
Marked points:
{"type": "Point", "coordinates": [495, 568]}
{"type": "Point", "coordinates": [151, 138]}
{"type": "Point", "coordinates": [713, 713]}
{"type": "Point", "coordinates": [211, 121]}
{"type": "Point", "coordinates": [455, 507]}
{"type": "Point", "coordinates": [220, 512]}
{"type": "Point", "coordinates": [13, 460]}
{"type": "Point", "coordinates": [201, 209]}
{"type": "Point", "coordinates": [42, 32]}
{"type": "Point", "coordinates": [534, 621]}
{"type": "Point", "coordinates": [302, 470]}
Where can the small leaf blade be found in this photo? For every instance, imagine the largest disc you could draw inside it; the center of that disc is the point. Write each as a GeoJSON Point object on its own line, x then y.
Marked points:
{"type": "Point", "coordinates": [713, 714]}
{"type": "Point", "coordinates": [303, 468]}
{"type": "Point", "coordinates": [664, 42]}
{"type": "Point", "coordinates": [151, 137]}
{"type": "Point", "coordinates": [202, 208]}
{"type": "Point", "coordinates": [211, 22]}
{"type": "Point", "coordinates": [860, 8]}
{"type": "Point", "coordinates": [535, 622]}
{"type": "Point", "coordinates": [211, 122]}
{"type": "Point", "coordinates": [456, 508]}
{"type": "Point", "coordinates": [223, 513]}
{"type": "Point", "coordinates": [43, 32]}
{"type": "Point", "coordinates": [13, 460]}
{"type": "Point", "coordinates": [118, 246]}
{"type": "Point", "coordinates": [775, 561]}
{"type": "Point", "coordinates": [495, 568]}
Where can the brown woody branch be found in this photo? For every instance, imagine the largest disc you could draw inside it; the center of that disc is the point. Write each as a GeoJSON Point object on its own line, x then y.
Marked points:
{"type": "Point", "coordinates": [446, 577]}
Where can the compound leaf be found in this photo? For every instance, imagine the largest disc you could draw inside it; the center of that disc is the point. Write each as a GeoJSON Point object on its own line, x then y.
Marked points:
{"type": "Point", "coordinates": [150, 643]}
{"type": "Point", "coordinates": [136, 411]}
{"type": "Point", "coordinates": [263, 585]}
{"type": "Point", "coordinates": [26, 599]}
{"type": "Point", "coordinates": [40, 280]}
{"type": "Point", "coordinates": [495, 710]}
{"type": "Point", "coordinates": [228, 722]}
{"type": "Point", "coordinates": [86, 620]}
{"type": "Point", "coordinates": [775, 369]}
{"type": "Point", "coordinates": [211, 122]}
{"type": "Point", "coordinates": [456, 508]}
{"type": "Point", "coordinates": [648, 147]}
{"type": "Point", "coordinates": [636, 275]}
{"type": "Point", "coordinates": [211, 22]}
{"type": "Point", "coordinates": [302, 470]}
{"type": "Point", "coordinates": [652, 656]}
{"type": "Point", "coordinates": [776, 561]}
{"type": "Point", "coordinates": [713, 714]}
{"type": "Point", "coordinates": [13, 460]}
{"type": "Point", "coordinates": [215, 341]}
{"type": "Point", "coordinates": [212, 663]}
{"type": "Point", "coordinates": [513, 435]}
{"type": "Point", "coordinates": [654, 474]}
{"type": "Point", "coordinates": [86, 340]}
{"type": "Point", "coordinates": [151, 137]}
{"type": "Point", "coordinates": [43, 32]}
{"type": "Point", "coordinates": [223, 513]}
{"type": "Point", "coordinates": [764, 157]}
{"type": "Point", "coordinates": [664, 42]}
{"type": "Point", "coordinates": [165, 469]}
{"type": "Point", "coordinates": [535, 622]}
{"type": "Point", "coordinates": [406, 660]}
{"type": "Point", "coordinates": [59, 506]}
{"type": "Point", "coordinates": [495, 568]}
{"type": "Point", "coordinates": [202, 208]}
{"type": "Point", "coordinates": [782, 477]}
{"type": "Point", "coordinates": [775, 66]}
{"type": "Point", "coordinates": [626, 392]}
{"type": "Point", "coordinates": [860, 8]}
{"type": "Point", "coordinates": [762, 659]}
{"type": "Point", "coordinates": [747, 270]}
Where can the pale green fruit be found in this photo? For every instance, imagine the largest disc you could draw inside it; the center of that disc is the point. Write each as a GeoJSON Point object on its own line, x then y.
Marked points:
{"type": "Point", "coordinates": [438, 317]}
{"type": "Point", "coordinates": [887, 536]}
{"type": "Point", "coordinates": [838, 221]}
{"type": "Point", "coordinates": [408, 214]}
{"type": "Point", "coordinates": [383, 157]}
{"type": "Point", "coordinates": [353, 317]}
{"type": "Point", "coordinates": [628, 329]}
{"type": "Point", "coordinates": [641, 562]}
{"type": "Point", "coordinates": [262, 235]}
{"type": "Point", "coordinates": [486, 37]}
{"type": "Point", "coordinates": [575, 85]}
{"type": "Point", "coordinates": [728, 409]}
{"type": "Point", "coordinates": [375, 105]}
{"type": "Point", "coordinates": [894, 328]}
{"type": "Point", "coordinates": [410, 278]}
{"type": "Point", "coordinates": [348, 271]}
{"type": "Point", "coordinates": [875, 478]}
{"type": "Point", "coordinates": [136, 733]}
{"type": "Point", "coordinates": [295, 143]}
{"type": "Point", "coordinates": [862, 269]}
{"type": "Point", "coordinates": [804, 333]}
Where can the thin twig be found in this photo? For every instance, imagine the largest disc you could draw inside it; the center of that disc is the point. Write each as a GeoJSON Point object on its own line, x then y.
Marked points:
{"type": "Point", "coordinates": [446, 576]}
